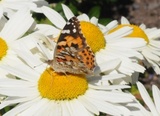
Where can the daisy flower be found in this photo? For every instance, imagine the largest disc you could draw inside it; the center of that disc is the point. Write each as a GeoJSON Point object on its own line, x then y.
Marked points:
{"type": "Point", "coordinates": [13, 29]}
{"type": "Point", "coordinates": [109, 47]}
{"type": "Point", "coordinates": [38, 90]}
{"type": "Point", "coordinates": [151, 51]}
{"type": "Point", "coordinates": [9, 7]}
{"type": "Point", "coordinates": [152, 106]}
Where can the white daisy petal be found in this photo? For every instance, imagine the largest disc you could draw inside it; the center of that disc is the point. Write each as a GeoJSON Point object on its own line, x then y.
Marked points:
{"type": "Point", "coordinates": [68, 13]}
{"type": "Point", "coordinates": [155, 43]}
{"type": "Point", "coordinates": [119, 52]}
{"type": "Point", "coordinates": [88, 105]}
{"type": "Point", "coordinates": [156, 96]}
{"type": "Point", "coordinates": [47, 30]}
{"type": "Point", "coordinates": [47, 54]}
{"type": "Point", "coordinates": [106, 108]}
{"type": "Point", "coordinates": [78, 109]}
{"type": "Point", "coordinates": [43, 111]}
{"type": "Point", "coordinates": [130, 42]}
{"type": "Point", "coordinates": [105, 29]}
{"type": "Point", "coordinates": [138, 110]}
{"type": "Point", "coordinates": [101, 26]}
{"type": "Point", "coordinates": [20, 93]}
{"type": "Point", "coordinates": [16, 6]}
{"type": "Point", "coordinates": [112, 77]}
{"type": "Point", "coordinates": [68, 104]}
{"type": "Point", "coordinates": [124, 20]}
{"type": "Point", "coordinates": [126, 111]}
{"type": "Point", "coordinates": [53, 109]}
{"type": "Point", "coordinates": [65, 109]}
{"type": "Point", "coordinates": [94, 20]}
{"type": "Point", "coordinates": [108, 65]}
{"type": "Point", "coordinates": [9, 12]}
{"type": "Point", "coordinates": [23, 71]}
{"type": "Point", "coordinates": [1, 12]}
{"type": "Point", "coordinates": [54, 17]}
{"type": "Point", "coordinates": [154, 34]}
{"type": "Point", "coordinates": [147, 99]}
{"type": "Point", "coordinates": [117, 97]}
{"type": "Point", "coordinates": [129, 68]}
{"type": "Point", "coordinates": [15, 83]}
{"type": "Point", "coordinates": [3, 21]}
{"type": "Point", "coordinates": [15, 100]}
{"type": "Point", "coordinates": [149, 30]}
{"type": "Point", "coordinates": [112, 25]}
{"type": "Point", "coordinates": [83, 17]}
{"type": "Point", "coordinates": [21, 107]}
{"type": "Point", "coordinates": [109, 87]}
{"type": "Point", "coordinates": [32, 62]}
{"type": "Point", "coordinates": [9, 7]}
{"type": "Point", "coordinates": [17, 22]}
{"type": "Point", "coordinates": [49, 108]}
{"type": "Point", "coordinates": [142, 26]}
{"type": "Point", "coordinates": [154, 66]}
{"type": "Point", "coordinates": [34, 108]}
{"type": "Point", "coordinates": [118, 34]}
{"type": "Point", "coordinates": [150, 55]}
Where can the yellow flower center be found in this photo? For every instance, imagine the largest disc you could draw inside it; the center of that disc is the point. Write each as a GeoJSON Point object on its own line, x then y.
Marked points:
{"type": "Point", "coordinates": [3, 49]}
{"type": "Point", "coordinates": [55, 86]}
{"type": "Point", "coordinates": [137, 32]}
{"type": "Point", "coordinates": [94, 36]}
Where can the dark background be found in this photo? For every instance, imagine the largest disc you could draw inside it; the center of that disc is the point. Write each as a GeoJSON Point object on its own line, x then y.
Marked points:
{"type": "Point", "coordinates": [137, 11]}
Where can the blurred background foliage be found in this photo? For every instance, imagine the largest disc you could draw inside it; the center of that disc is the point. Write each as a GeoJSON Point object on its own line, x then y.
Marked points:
{"type": "Point", "coordinates": [104, 10]}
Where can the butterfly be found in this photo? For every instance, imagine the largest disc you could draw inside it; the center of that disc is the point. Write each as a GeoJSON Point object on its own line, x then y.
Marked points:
{"type": "Point", "coordinates": [72, 53]}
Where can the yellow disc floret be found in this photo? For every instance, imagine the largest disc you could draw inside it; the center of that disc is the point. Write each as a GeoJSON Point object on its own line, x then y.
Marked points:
{"type": "Point", "coordinates": [56, 86]}
{"type": "Point", "coordinates": [4, 48]}
{"type": "Point", "coordinates": [137, 32]}
{"type": "Point", "coordinates": [94, 36]}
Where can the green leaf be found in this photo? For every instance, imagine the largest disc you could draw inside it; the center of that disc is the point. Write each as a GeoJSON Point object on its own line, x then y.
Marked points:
{"type": "Point", "coordinates": [95, 11]}
{"type": "Point", "coordinates": [58, 6]}
{"type": "Point", "coordinates": [73, 8]}
{"type": "Point", "coordinates": [104, 21]}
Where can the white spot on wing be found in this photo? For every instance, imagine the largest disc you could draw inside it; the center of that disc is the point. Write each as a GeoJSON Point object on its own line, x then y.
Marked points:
{"type": "Point", "coordinates": [72, 49]}
{"type": "Point", "coordinates": [65, 31]}
{"type": "Point", "coordinates": [74, 30]}
{"type": "Point", "coordinates": [64, 52]}
{"type": "Point", "coordinates": [68, 63]}
{"type": "Point", "coordinates": [61, 63]}
{"type": "Point", "coordinates": [62, 57]}
{"type": "Point", "coordinates": [68, 23]}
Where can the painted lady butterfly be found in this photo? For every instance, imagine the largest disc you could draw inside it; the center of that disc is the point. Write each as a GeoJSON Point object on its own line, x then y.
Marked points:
{"type": "Point", "coordinates": [72, 53]}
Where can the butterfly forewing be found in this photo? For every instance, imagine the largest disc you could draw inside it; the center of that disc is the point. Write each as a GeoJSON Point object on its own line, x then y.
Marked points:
{"type": "Point", "coordinates": [72, 34]}
{"type": "Point", "coordinates": [72, 53]}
